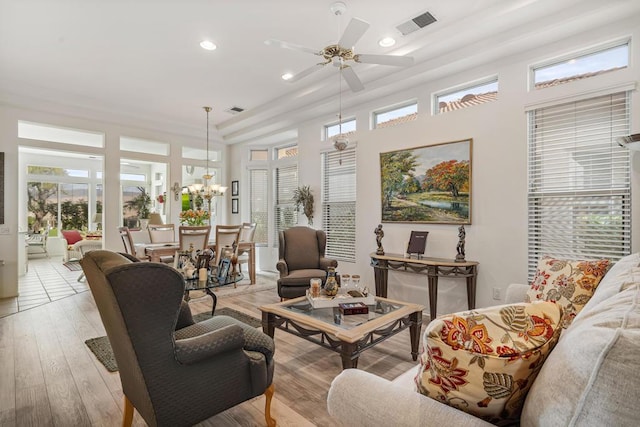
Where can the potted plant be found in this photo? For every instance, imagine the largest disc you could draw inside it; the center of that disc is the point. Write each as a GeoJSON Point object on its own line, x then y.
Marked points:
{"type": "Point", "coordinates": [302, 196]}
{"type": "Point", "coordinates": [141, 203]}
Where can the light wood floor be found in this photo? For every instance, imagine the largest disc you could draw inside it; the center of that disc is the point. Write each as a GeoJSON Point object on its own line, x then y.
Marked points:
{"type": "Point", "coordinates": [48, 377]}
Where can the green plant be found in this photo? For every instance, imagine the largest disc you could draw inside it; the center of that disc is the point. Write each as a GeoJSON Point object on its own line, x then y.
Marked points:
{"type": "Point", "coordinates": [141, 203]}
{"type": "Point", "coordinates": [302, 196]}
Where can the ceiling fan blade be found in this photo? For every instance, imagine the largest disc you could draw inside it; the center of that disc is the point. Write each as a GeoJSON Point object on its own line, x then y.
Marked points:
{"type": "Point", "coordinates": [398, 61]}
{"type": "Point", "coordinates": [353, 32]}
{"type": "Point", "coordinates": [351, 78]}
{"type": "Point", "coordinates": [306, 72]}
{"type": "Point", "coordinates": [292, 46]}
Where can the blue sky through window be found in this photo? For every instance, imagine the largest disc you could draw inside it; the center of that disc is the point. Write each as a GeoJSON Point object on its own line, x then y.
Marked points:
{"type": "Point", "coordinates": [616, 57]}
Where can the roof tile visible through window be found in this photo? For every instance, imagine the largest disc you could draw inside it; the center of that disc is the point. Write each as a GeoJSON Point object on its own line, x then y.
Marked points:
{"type": "Point", "coordinates": [467, 101]}
{"type": "Point", "coordinates": [404, 119]}
{"type": "Point", "coordinates": [556, 82]}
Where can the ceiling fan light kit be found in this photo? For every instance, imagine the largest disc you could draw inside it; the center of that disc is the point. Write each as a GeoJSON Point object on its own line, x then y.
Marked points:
{"type": "Point", "coordinates": [340, 53]}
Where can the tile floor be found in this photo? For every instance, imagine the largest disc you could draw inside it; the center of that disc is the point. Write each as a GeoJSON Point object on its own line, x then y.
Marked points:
{"type": "Point", "coordinates": [47, 280]}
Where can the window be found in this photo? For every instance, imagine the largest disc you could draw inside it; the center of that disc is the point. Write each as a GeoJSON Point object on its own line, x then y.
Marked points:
{"type": "Point", "coordinates": [201, 154]}
{"type": "Point", "coordinates": [138, 145]}
{"type": "Point", "coordinates": [286, 181]}
{"type": "Point", "coordinates": [286, 152]}
{"type": "Point", "coordinates": [583, 66]}
{"type": "Point", "coordinates": [52, 171]}
{"type": "Point", "coordinates": [395, 115]}
{"type": "Point", "coordinates": [60, 135]}
{"type": "Point", "coordinates": [258, 204]}
{"type": "Point", "coordinates": [334, 129]}
{"type": "Point", "coordinates": [259, 156]}
{"type": "Point", "coordinates": [466, 97]}
{"type": "Point", "coordinates": [339, 203]}
{"type": "Point", "coordinates": [579, 193]}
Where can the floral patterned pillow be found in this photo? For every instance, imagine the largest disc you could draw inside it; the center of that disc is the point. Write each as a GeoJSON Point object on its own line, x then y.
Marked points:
{"type": "Point", "coordinates": [484, 361]}
{"type": "Point", "coordinates": [569, 283]}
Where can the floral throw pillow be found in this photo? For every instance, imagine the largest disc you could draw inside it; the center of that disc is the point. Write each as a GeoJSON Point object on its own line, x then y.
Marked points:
{"type": "Point", "coordinates": [484, 361]}
{"type": "Point", "coordinates": [569, 283]}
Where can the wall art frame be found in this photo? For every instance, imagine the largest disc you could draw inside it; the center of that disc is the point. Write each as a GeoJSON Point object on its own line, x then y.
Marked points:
{"type": "Point", "coordinates": [235, 188]}
{"type": "Point", "coordinates": [234, 206]}
{"type": "Point", "coordinates": [429, 184]}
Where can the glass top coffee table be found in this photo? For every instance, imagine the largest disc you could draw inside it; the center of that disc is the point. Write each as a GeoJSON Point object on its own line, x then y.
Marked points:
{"type": "Point", "coordinates": [348, 335]}
{"type": "Point", "coordinates": [210, 285]}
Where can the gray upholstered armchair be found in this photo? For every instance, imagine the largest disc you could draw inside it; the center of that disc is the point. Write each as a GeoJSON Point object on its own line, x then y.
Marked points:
{"type": "Point", "coordinates": [174, 376]}
{"type": "Point", "coordinates": [302, 258]}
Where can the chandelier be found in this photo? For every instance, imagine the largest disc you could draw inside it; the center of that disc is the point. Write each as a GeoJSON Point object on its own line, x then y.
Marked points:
{"type": "Point", "coordinates": [206, 190]}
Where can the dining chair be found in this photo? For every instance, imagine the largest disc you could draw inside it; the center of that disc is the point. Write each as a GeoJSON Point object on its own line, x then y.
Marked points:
{"type": "Point", "coordinates": [129, 243]}
{"type": "Point", "coordinates": [226, 237]}
{"type": "Point", "coordinates": [162, 233]}
{"type": "Point", "coordinates": [247, 233]}
{"type": "Point", "coordinates": [198, 236]}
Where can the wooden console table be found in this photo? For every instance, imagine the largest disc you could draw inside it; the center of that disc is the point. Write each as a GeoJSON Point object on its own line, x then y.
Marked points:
{"type": "Point", "coordinates": [432, 267]}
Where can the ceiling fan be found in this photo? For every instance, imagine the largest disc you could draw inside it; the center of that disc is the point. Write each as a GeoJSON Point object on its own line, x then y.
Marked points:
{"type": "Point", "coordinates": [341, 53]}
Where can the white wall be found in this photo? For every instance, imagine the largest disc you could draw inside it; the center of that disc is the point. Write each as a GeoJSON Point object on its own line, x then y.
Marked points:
{"type": "Point", "coordinates": [497, 237]}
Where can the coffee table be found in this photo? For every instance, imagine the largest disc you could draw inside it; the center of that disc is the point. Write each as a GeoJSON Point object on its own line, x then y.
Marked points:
{"type": "Point", "coordinates": [209, 286]}
{"type": "Point", "coordinates": [348, 335]}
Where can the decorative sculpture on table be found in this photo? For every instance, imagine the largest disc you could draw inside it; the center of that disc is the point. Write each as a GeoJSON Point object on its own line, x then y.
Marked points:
{"type": "Point", "coordinates": [379, 235]}
{"type": "Point", "coordinates": [460, 247]}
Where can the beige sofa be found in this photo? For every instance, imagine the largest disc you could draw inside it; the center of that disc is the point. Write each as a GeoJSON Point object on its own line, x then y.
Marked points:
{"type": "Point", "coordinates": [591, 378]}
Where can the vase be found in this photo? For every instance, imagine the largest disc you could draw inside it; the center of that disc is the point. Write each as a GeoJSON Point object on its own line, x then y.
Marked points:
{"type": "Point", "coordinates": [331, 286]}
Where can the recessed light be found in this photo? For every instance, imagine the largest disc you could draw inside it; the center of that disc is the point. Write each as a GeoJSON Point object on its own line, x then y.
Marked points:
{"type": "Point", "coordinates": [387, 42]}
{"type": "Point", "coordinates": [208, 45]}
{"type": "Point", "coordinates": [287, 76]}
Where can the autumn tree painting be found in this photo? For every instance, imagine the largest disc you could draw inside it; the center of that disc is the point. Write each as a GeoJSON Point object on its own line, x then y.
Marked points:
{"type": "Point", "coordinates": [429, 184]}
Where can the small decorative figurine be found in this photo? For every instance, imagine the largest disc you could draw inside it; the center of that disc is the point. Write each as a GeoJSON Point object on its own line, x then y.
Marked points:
{"type": "Point", "coordinates": [460, 247]}
{"type": "Point", "coordinates": [379, 235]}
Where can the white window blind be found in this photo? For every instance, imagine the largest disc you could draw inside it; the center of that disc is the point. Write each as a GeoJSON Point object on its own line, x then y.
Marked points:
{"type": "Point", "coordinates": [286, 181]}
{"type": "Point", "coordinates": [579, 191]}
{"type": "Point", "coordinates": [258, 204]}
{"type": "Point", "coordinates": [339, 203]}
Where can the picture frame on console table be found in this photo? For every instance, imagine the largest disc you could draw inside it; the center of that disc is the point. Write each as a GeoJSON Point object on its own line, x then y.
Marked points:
{"type": "Point", "coordinates": [429, 184]}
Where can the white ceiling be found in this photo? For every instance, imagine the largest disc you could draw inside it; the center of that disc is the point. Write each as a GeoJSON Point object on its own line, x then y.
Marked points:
{"type": "Point", "coordinates": [140, 60]}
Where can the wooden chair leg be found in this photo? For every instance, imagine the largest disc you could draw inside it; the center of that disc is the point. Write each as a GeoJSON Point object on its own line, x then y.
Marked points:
{"type": "Point", "coordinates": [268, 393]}
{"type": "Point", "coordinates": [127, 418]}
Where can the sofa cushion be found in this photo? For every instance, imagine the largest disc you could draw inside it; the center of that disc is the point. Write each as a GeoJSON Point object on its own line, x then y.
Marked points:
{"type": "Point", "coordinates": [592, 376]}
{"type": "Point", "coordinates": [612, 282]}
{"type": "Point", "coordinates": [71, 236]}
{"type": "Point", "coordinates": [484, 361]}
{"type": "Point", "coordinates": [569, 283]}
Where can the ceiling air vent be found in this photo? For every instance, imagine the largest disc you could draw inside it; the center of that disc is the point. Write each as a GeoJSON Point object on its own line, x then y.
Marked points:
{"type": "Point", "coordinates": [416, 23]}
{"type": "Point", "coordinates": [235, 110]}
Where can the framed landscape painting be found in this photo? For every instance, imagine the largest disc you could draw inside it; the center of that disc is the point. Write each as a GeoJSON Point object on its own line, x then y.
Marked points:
{"type": "Point", "coordinates": [430, 184]}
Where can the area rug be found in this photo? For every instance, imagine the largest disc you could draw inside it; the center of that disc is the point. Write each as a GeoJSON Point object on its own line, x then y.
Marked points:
{"type": "Point", "coordinates": [101, 347]}
{"type": "Point", "coordinates": [73, 265]}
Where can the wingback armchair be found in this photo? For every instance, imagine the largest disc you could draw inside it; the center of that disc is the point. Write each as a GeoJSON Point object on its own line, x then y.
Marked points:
{"type": "Point", "coordinates": [174, 377]}
{"type": "Point", "coordinates": [301, 254]}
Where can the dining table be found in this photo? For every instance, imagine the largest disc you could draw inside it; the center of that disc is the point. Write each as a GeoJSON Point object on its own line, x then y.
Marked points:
{"type": "Point", "coordinates": [157, 250]}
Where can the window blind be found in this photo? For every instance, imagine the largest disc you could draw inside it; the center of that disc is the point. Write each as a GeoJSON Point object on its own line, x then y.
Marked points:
{"type": "Point", "coordinates": [339, 203]}
{"type": "Point", "coordinates": [286, 181]}
{"type": "Point", "coordinates": [579, 190]}
{"type": "Point", "coordinates": [258, 204]}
